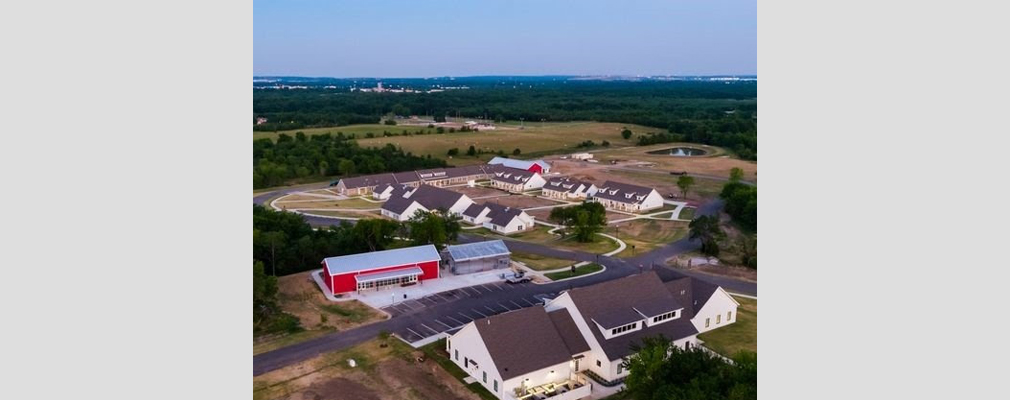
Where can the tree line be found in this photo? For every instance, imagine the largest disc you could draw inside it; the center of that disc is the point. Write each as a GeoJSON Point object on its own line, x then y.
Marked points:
{"type": "Point", "coordinates": [661, 370]}
{"type": "Point", "coordinates": [301, 157]}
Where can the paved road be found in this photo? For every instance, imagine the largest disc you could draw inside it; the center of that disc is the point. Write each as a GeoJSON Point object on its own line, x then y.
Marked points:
{"type": "Point", "coordinates": [417, 318]}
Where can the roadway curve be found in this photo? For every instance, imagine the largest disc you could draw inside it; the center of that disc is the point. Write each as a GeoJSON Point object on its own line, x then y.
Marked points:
{"type": "Point", "coordinates": [616, 268]}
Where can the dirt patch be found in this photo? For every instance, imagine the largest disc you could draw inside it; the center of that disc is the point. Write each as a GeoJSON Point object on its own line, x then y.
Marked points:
{"type": "Point", "coordinates": [519, 201]}
{"type": "Point", "coordinates": [336, 389]}
{"type": "Point", "coordinates": [299, 295]}
{"type": "Point", "coordinates": [477, 191]}
{"type": "Point", "coordinates": [426, 380]}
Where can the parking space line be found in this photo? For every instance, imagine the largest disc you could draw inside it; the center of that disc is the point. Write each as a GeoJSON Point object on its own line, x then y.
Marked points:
{"type": "Point", "coordinates": [499, 286]}
{"type": "Point", "coordinates": [421, 305]}
{"type": "Point", "coordinates": [404, 304]}
{"type": "Point", "coordinates": [485, 288]}
{"type": "Point", "coordinates": [504, 306]}
{"type": "Point", "coordinates": [455, 320]}
{"type": "Point", "coordinates": [444, 324]}
{"type": "Point", "coordinates": [491, 309]}
{"type": "Point", "coordinates": [474, 290]}
{"type": "Point", "coordinates": [429, 328]}
{"type": "Point", "coordinates": [466, 317]}
{"type": "Point", "coordinates": [443, 297]}
{"type": "Point", "coordinates": [517, 304]}
{"type": "Point", "coordinates": [478, 312]}
{"type": "Point", "coordinates": [527, 301]}
{"type": "Point", "coordinates": [420, 336]}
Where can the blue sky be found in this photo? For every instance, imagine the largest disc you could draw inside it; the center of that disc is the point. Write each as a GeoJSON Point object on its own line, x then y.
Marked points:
{"type": "Point", "coordinates": [387, 38]}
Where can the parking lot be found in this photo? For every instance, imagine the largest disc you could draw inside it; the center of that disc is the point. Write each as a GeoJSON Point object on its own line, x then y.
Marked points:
{"type": "Point", "coordinates": [472, 304]}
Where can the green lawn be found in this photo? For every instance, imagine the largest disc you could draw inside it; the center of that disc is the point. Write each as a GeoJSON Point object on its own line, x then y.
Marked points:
{"type": "Point", "coordinates": [687, 213]}
{"type": "Point", "coordinates": [539, 235]}
{"type": "Point", "coordinates": [436, 351]}
{"type": "Point", "coordinates": [539, 262]}
{"type": "Point", "coordinates": [740, 335]}
{"type": "Point", "coordinates": [647, 234]}
{"type": "Point", "coordinates": [585, 269]}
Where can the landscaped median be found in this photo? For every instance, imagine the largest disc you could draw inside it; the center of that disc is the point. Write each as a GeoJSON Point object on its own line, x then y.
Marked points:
{"type": "Point", "coordinates": [538, 262]}
{"type": "Point", "coordinates": [539, 235]}
{"type": "Point", "coordinates": [578, 271]}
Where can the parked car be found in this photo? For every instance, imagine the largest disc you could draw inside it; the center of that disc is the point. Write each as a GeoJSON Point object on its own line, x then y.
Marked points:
{"type": "Point", "coordinates": [518, 277]}
{"type": "Point", "coordinates": [672, 195]}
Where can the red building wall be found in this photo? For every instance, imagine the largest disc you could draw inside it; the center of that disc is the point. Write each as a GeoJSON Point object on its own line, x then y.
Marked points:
{"type": "Point", "coordinates": [345, 282]}
{"type": "Point", "coordinates": [536, 168]}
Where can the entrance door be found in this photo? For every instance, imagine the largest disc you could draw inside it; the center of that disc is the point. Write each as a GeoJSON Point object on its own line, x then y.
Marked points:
{"type": "Point", "coordinates": [576, 365]}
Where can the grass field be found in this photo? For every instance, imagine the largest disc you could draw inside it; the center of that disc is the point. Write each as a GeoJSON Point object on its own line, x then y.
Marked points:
{"type": "Point", "coordinates": [687, 213]}
{"type": "Point", "coordinates": [539, 235]}
{"type": "Point", "coordinates": [703, 188]}
{"type": "Point", "coordinates": [740, 335]}
{"type": "Point", "coordinates": [295, 201]}
{"type": "Point", "coordinates": [346, 214]}
{"type": "Point", "coordinates": [585, 269]}
{"type": "Point", "coordinates": [647, 234]}
{"type": "Point", "coordinates": [534, 139]}
{"type": "Point", "coordinates": [540, 263]}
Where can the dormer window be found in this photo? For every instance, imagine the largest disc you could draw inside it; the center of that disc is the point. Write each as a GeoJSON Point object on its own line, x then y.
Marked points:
{"type": "Point", "coordinates": [664, 317]}
{"type": "Point", "coordinates": [613, 192]}
{"type": "Point", "coordinates": [622, 329]}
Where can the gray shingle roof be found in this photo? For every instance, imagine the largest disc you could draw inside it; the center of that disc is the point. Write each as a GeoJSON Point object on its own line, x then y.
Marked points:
{"type": "Point", "coordinates": [501, 215]}
{"type": "Point", "coordinates": [474, 210]}
{"type": "Point", "coordinates": [477, 250]}
{"type": "Point", "coordinates": [512, 175]}
{"type": "Point", "coordinates": [380, 259]}
{"type": "Point", "coordinates": [521, 164]}
{"type": "Point", "coordinates": [569, 332]}
{"type": "Point", "coordinates": [417, 176]}
{"type": "Point", "coordinates": [522, 341]}
{"type": "Point", "coordinates": [613, 304]}
{"type": "Point", "coordinates": [432, 198]}
{"type": "Point", "coordinates": [565, 184]}
{"type": "Point", "coordinates": [618, 191]}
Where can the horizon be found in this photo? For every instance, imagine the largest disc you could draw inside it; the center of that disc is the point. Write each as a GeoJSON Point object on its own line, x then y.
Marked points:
{"type": "Point", "coordinates": [396, 38]}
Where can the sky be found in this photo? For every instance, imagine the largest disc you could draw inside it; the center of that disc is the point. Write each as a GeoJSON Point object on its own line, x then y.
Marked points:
{"type": "Point", "coordinates": [396, 38]}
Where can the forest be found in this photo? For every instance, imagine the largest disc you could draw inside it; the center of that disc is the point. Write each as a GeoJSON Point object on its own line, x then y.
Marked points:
{"type": "Point", "coordinates": [303, 157]}
{"type": "Point", "coordinates": [717, 113]}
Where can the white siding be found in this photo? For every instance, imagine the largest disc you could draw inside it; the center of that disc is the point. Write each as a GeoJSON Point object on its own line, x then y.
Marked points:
{"type": "Point", "coordinates": [653, 200]}
{"type": "Point", "coordinates": [461, 205]}
{"type": "Point", "coordinates": [595, 351]}
{"type": "Point", "coordinates": [719, 304]}
{"type": "Point", "coordinates": [562, 371]}
{"type": "Point", "coordinates": [471, 346]}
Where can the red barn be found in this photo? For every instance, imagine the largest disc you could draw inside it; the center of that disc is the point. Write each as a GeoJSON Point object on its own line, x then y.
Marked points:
{"type": "Point", "coordinates": [539, 166]}
{"type": "Point", "coordinates": [380, 269]}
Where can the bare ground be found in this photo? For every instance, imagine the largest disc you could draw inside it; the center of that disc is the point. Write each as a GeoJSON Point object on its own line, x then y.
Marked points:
{"type": "Point", "coordinates": [478, 191]}
{"type": "Point", "coordinates": [519, 201]}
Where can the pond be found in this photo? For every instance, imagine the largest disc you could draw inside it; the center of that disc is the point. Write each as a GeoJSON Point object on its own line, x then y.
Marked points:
{"type": "Point", "coordinates": [680, 152]}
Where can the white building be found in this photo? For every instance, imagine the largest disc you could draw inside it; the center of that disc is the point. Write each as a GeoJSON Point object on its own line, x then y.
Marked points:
{"type": "Point", "coordinates": [597, 326]}
{"type": "Point", "coordinates": [568, 189]}
{"type": "Point", "coordinates": [516, 180]}
{"type": "Point", "coordinates": [627, 197]}
{"type": "Point", "coordinates": [403, 203]}
{"type": "Point", "coordinates": [540, 166]}
{"type": "Point", "coordinates": [501, 219]}
{"type": "Point", "coordinates": [582, 156]}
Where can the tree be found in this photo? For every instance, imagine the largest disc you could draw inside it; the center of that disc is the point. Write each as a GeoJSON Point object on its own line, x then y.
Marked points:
{"type": "Point", "coordinates": [584, 220]}
{"type": "Point", "coordinates": [516, 152]}
{"type": "Point", "coordinates": [658, 369]}
{"type": "Point", "coordinates": [323, 167]}
{"type": "Point", "coordinates": [440, 130]}
{"type": "Point", "coordinates": [684, 182]}
{"type": "Point", "coordinates": [345, 166]}
{"type": "Point", "coordinates": [706, 229]}
{"type": "Point", "coordinates": [428, 228]}
{"type": "Point", "coordinates": [390, 121]}
{"type": "Point", "coordinates": [472, 151]}
{"type": "Point", "coordinates": [453, 151]}
{"type": "Point", "coordinates": [274, 240]}
{"type": "Point", "coordinates": [605, 143]}
{"type": "Point", "coordinates": [375, 233]}
{"type": "Point", "coordinates": [264, 288]}
{"type": "Point", "coordinates": [748, 252]}
{"type": "Point", "coordinates": [626, 134]}
{"type": "Point", "coordinates": [735, 174]}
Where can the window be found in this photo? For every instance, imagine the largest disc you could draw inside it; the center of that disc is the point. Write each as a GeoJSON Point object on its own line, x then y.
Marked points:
{"type": "Point", "coordinates": [620, 368]}
{"type": "Point", "coordinates": [485, 376]}
{"type": "Point", "coordinates": [622, 329]}
{"type": "Point", "coordinates": [706, 322]}
{"type": "Point", "coordinates": [729, 316]}
{"type": "Point", "coordinates": [718, 318]}
{"type": "Point", "coordinates": [457, 354]}
{"type": "Point", "coordinates": [664, 317]}
{"type": "Point", "coordinates": [598, 363]}
{"type": "Point", "coordinates": [496, 386]}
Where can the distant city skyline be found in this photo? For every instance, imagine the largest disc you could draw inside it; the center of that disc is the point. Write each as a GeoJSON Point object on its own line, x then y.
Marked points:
{"type": "Point", "coordinates": [440, 38]}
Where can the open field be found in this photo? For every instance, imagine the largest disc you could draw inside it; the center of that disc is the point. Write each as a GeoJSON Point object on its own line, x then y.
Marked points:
{"type": "Point", "coordinates": [540, 263]}
{"type": "Point", "coordinates": [477, 192]}
{"type": "Point", "coordinates": [382, 373]}
{"type": "Point", "coordinates": [716, 163]}
{"type": "Point", "coordinates": [647, 234]}
{"type": "Point", "coordinates": [687, 213]}
{"type": "Point", "coordinates": [536, 138]}
{"type": "Point", "coordinates": [740, 335]}
{"type": "Point", "coordinates": [519, 201]}
{"type": "Point", "coordinates": [316, 202]}
{"type": "Point", "coordinates": [539, 235]}
{"type": "Point", "coordinates": [703, 189]}
{"type": "Point", "coordinates": [299, 296]}
{"type": "Point", "coordinates": [585, 269]}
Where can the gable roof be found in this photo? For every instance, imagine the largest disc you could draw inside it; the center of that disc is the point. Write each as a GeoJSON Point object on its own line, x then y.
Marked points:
{"type": "Point", "coordinates": [623, 192]}
{"type": "Point", "coordinates": [619, 301]}
{"type": "Point", "coordinates": [380, 259]}
{"type": "Point", "coordinates": [569, 332]}
{"type": "Point", "coordinates": [522, 341]}
{"type": "Point", "coordinates": [566, 184]}
{"type": "Point", "coordinates": [521, 164]}
{"type": "Point", "coordinates": [512, 175]}
{"type": "Point", "coordinates": [477, 250]}
{"type": "Point", "coordinates": [416, 176]}
{"type": "Point", "coordinates": [428, 196]}
{"type": "Point", "coordinates": [474, 210]}
{"type": "Point", "coordinates": [501, 215]}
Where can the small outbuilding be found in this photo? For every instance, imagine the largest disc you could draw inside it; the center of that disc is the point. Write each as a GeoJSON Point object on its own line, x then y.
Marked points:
{"type": "Point", "coordinates": [476, 257]}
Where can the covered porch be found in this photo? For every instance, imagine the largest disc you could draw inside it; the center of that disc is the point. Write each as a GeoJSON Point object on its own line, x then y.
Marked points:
{"type": "Point", "coordinates": [576, 387]}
